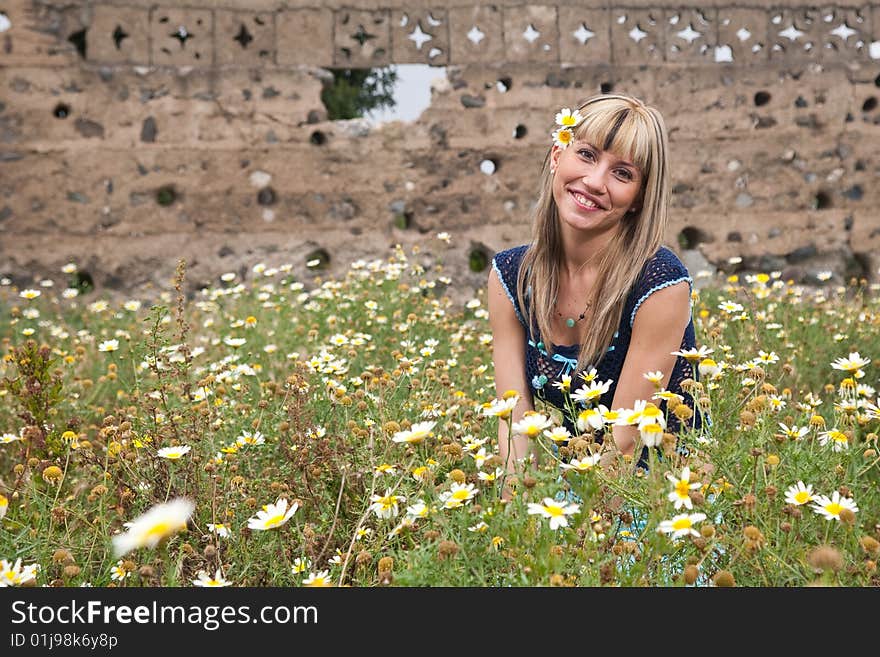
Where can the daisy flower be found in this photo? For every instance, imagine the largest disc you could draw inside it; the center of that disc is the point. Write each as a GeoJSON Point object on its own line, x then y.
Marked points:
{"type": "Point", "coordinates": [119, 572]}
{"type": "Point", "coordinates": [29, 294]}
{"type": "Point", "coordinates": [301, 565]}
{"type": "Point", "coordinates": [458, 495]}
{"type": "Point", "coordinates": [384, 468]}
{"type": "Point", "coordinates": [387, 505]}
{"type": "Point", "coordinates": [531, 424]}
{"type": "Point", "coordinates": [654, 377]}
{"type": "Point", "coordinates": [681, 525]}
{"type": "Point", "coordinates": [273, 515]}
{"type": "Point", "coordinates": [590, 418]}
{"type": "Point", "coordinates": [417, 433]}
{"type": "Point", "coordinates": [830, 507]}
{"type": "Point", "coordinates": [556, 512]}
{"type": "Point", "coordinates": [838, 439]}
{"type": "Point", "coordinates": [109, 345]}
{"type": "Point", "coordinates": [562, 137]}
{"type": "Point", "coordinates": [594, 390]}
{"type": "Point", "coordinates": [852, 364]}
{"type": "Point", "coordinates": [558, 434]}
{"type": "Point", "coordinates": [15, 575]}
{"type": "Point", "coordinates": [794, 432]}
{"type": "Point", "coordinates": [681, 487]}
{"type": "Point", "coordinates": [4, 505]}
{"type": "Point", "coordinates": [588, 462]}
{"type": "Point", "coordinates": [568, 118]}
{"type": "Point", "coordinates": [321, 578]}
{"type": "Point", "coordinates": [159, 522]}
{"type": "Point", "coordinates": [799, 494]}
{"type": "Point", "coordinates": [203, 579]}
{"type": "Point", "coordinates": [501, 408]}
{"type": "Point", "coordinates": [174, 452]}
{"type": "Point", "coordinates": [694, 355]}
{"type": "Point", "coordinates": [708, 368]}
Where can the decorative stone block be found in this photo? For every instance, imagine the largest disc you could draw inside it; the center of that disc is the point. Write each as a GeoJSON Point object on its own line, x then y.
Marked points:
{"type": "Point", "coordinates": [475, 35]}
{"type": "Point", "coordinates": [846, 33]}
{"type": "Point", "coordinates": [530, 34]}
{"type": "Point", "coordinates": [244, 38]}
{"type": "Point", "coordinates": [119, 35]}
{"type": "Point", "coordinates": [420, 37]}
{"type": "Point", "coordinates": [182, 37]}
{"type": "Point", "coordinates": [584, 36]}
{"type": "Point", "coordinates": [362, 38]}
{"type": "Point", "coordinates": [305, 36]}
{"type": "Point", "coordinates": [691, 34]}
{"type": "Point", "coordinates": [742, 36]}
{"type": "Point", "coordinates": [795, 34]}
{"type": "Point", "coordinates": [637, 36]}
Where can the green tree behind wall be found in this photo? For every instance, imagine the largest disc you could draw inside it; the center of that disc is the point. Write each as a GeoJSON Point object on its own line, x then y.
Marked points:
{"type": "Point", "coordinates": [356, 91]}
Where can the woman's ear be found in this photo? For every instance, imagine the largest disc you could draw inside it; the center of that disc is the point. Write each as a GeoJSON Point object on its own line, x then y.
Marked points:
{"type": "Point", "coordinates": [555, 152]}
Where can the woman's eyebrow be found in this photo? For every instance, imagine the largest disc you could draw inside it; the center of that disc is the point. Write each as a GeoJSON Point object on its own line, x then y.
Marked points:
{"type": "Point", "coordinates": [599, 150]}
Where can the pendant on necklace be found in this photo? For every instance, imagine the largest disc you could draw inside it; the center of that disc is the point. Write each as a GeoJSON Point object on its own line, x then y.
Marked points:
{"type": "Point", "coordinates": [569, 322]}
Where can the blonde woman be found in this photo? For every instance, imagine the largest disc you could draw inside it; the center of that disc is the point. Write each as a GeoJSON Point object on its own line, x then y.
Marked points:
{"type": "Point", "coordinates": [595, 288]}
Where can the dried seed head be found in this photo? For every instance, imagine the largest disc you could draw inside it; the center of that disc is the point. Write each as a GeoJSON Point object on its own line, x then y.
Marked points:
{"type": "Point", "coordinates": [447, 549]}
{"type": "Point", "coordinates": [691, 573]}
{"type": "Point", "coordinates": [458, 476]}
{"type": "Point", "coordinates": [71, 570]}
{"type": "Point", "coordinates": [386, 564]}
{"type": "Point", "coordinates": [724, 578]}
{"type": "Point", "coordinates": [62, 556]}
{"type": "Point", "coordinates": [870, 544]}
{"type": "Point", "coordinates": [707, 530]}
{"type": "Point", "coordinates": [825, 558]}
{"type": "Point", "coordinates": [847, 517]}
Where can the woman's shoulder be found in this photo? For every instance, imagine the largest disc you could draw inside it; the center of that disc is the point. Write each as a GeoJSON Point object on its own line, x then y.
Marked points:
{"type": "Point", "coordinates": [664, 266]}
{"type": "Point", "coordinates": [507, 261]}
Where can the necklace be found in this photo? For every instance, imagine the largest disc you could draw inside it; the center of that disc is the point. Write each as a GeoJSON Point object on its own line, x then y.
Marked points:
{"type": "Point", "coordinates": [570, 321]}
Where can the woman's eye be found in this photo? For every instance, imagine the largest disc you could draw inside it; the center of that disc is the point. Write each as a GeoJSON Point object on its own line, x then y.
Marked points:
{"type": "Point", "coordinates": [587, 153]}
{"type": "Point", "coordinates": [625, 174]}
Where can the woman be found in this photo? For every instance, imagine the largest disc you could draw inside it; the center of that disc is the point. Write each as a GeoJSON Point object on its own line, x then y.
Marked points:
{"type": "Point", "coordinates": [595, 288]}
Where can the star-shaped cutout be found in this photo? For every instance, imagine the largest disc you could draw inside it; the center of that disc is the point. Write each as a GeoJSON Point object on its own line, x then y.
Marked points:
{"type": "Point", "coordinates": [475, 35]}
{"type": "Point", "coordinates": [689, 34]}
{"type": "Point", "coordinates": [181, 35]}
{"type": "Point", "coordinates": [791, 33]}
{"type": "Point", "coordinates": [531, 34]}
{"type": "Point", "coordinates": [844, 31]}
{"type": "Point", "coordinates": [419, 37]}
{"type": "Point", "coordinates": [583, 34]}
{"type": "Point", "coordinates": [118, 35]}
{"type": "Point", "coordinates": [243, 37]}
{"type": "Point", "coordinates": [636, 34]}
{"type": "Point", "coordinates": [743, 34]}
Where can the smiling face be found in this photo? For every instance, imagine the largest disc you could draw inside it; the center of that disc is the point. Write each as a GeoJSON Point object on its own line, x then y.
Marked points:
{"type": "Point", "coordinates": [594, 189]}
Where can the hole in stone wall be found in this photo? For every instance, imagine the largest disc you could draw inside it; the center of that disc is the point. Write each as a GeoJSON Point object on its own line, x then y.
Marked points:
{"type": "Point", "coordinates": [166, 195]}
{"type": "Point", "coordinates": [118, 35]}
{"type": "Point", "coordinates": [61, 111]}
{"type": "Point", "coordinates": [318, 138]}
{"type": "Point", "coordinates": [762, 98]}
{"type": "Point", "coordinates": [403, 220]}
{"type": "Point", "coordinates": [78, 39]}
{"type": "Point", "coordinates": [734, 236]}
{"type": "Point", "coordinates": [690, 238]}
{"type": "Point", "coordinates": [82, 281]}
{"type": "Point", "coordinates": [318, 259]}
{"type": "Point", "coordinates": [606, 87]}
{"type": "Point", "coordinates": [869, 105]}
{"type": "Point", "coordinates": [478, 258]}
{"type": "Point", "coordinates": [519, 131]}
{"type": "Point", "coordinates": [821, 201]}
{"type": "Point", "coordinates": [504, 84]}
{"type": "Point", "coordinates": [489, 166]}
{"type": "Point", "coordinates": [877, 81]}
{"type": "Point", "coordinates": [356, 91]}
{"type": "Point", "coordinates": [800, 102]}
{"type": "Point", "coordinates": [266, 196]}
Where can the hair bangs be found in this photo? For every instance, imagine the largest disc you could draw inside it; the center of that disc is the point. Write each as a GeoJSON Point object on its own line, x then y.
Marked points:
{"type": "Point", "coordinates": [620, 129]}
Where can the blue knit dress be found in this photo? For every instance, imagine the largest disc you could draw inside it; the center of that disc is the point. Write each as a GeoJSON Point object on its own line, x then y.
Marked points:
{"type": "Point", "coordinates": [542, 370]}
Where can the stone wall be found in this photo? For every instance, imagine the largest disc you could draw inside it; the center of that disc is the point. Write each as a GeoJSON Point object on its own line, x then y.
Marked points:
{"type": "Point", "coordinates": [134, 133]}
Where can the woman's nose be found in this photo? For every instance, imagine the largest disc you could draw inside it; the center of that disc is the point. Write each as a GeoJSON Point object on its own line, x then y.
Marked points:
{"type": "Point", "coordinates": [595, 181]}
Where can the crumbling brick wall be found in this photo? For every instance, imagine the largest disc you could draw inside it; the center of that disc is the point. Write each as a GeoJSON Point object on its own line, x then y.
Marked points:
{"type": "Point", "coordinates": [134, 133]}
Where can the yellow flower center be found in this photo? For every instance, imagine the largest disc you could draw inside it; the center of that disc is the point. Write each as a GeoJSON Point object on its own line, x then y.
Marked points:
{"type": "Point", "coordinates": [681, 488]}
{"type": "Point", "coordinates": [554, 511]}
{"type": "Point", "coordinates": [275, 520]}
{"type": "Point", "coordinates": [802, 497]}
{"type": "Point", "coordinates": [833, 508]}
{"type": "Point", "coordinates": [461, 494]}
{"type": "Point", "coordinates": [682, 523]}
{"type": "Point", "coordinates": [159, 530]}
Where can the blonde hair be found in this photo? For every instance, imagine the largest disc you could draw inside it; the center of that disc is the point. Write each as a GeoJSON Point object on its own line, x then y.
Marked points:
{"type": "Point", "coordinates": [629, 128]}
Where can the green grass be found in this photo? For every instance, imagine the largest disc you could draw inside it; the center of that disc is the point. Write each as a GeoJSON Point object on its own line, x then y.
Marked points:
{"type": "Point", "coordinates": [328, 372]}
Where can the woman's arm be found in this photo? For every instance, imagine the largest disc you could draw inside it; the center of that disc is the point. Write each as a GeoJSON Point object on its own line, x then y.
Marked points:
{"type": "Point", "coordinates": [509, 359]}
{"type": "Point", "coordinates": [657, 331]}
